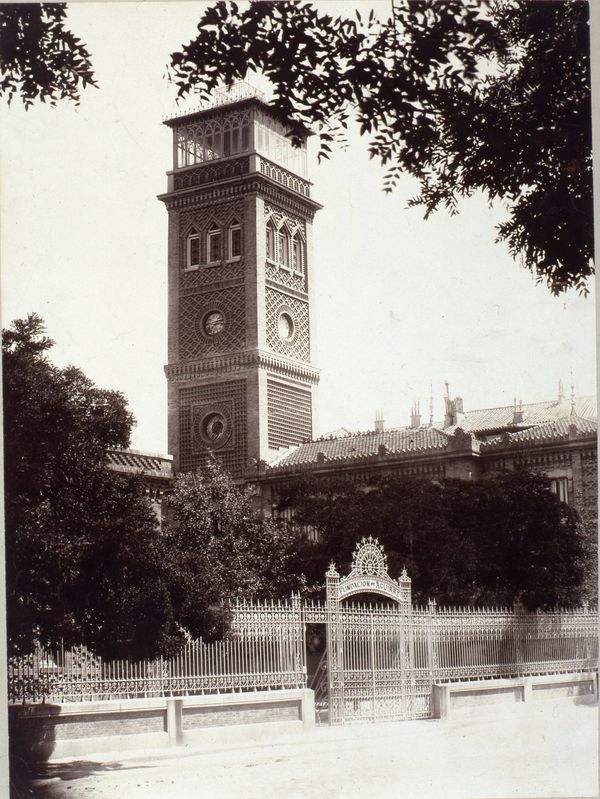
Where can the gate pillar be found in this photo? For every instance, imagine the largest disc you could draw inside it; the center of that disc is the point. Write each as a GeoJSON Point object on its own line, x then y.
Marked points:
{"type": "Point", "coordinates": [335, 681]}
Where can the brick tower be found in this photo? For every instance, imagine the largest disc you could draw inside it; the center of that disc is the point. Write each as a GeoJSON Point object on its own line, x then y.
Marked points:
{"type": "Point", "coordinates": [240, 378]}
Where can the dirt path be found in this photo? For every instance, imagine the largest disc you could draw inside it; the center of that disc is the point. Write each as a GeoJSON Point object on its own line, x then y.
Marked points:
{"type": "Point", "coordinates": [549, 751]}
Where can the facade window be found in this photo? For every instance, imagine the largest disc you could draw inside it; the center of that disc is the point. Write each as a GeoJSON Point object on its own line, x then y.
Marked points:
{"type": "Point", "coordinates": [271, 255]}
{"type": "Point", "coordinates": [214, 244]}
{"type": "Point", "coordinates": [192, 260]}
{"type": "Point", "coordinates": [298, 254]}
{"type": "Point", "coordinates": [235, 241]}
{"type": "Point", "coordinates": [560, 487]}
{"type": "Point", "coordinates": [283, 247]}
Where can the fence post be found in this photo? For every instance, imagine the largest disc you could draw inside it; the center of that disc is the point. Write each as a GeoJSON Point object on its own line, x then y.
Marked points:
{"type": "Point", "coordinates": [431, 648]}
{"type": "Point", "coordinates": [175, 720]}
{"type": "Point", "coordinates": [518, 619]}
{"type": "Point", "coordinates": [300, 653]}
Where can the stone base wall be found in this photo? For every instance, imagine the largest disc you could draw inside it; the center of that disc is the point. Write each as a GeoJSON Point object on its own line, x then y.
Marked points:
{"type": "Point", "coordinates": [45, 731]}
{"type": "Point", "coordinates": [480, 694]}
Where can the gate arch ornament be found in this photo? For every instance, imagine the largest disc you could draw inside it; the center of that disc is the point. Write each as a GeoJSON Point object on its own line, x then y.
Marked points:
{"type": "Point", "coordinates": [368, 574]}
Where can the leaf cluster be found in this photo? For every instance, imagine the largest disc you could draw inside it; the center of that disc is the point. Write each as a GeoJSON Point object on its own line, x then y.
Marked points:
{"type": "Point", "coordinates": [465, 95]}
{"type": "Point", "coordinates": [40, 59]}
{"type": "Point", "coordinates": [221, 548]}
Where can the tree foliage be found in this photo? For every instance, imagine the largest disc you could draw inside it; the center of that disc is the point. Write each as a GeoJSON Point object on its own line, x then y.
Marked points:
{"type": "Point", "coordinates": [495, 541]}
{"type": "Point", "coordinates": [39, 58]}
{"type": "Point", "coordinates": [84, 560]}
{"type": "Point", "coordinates": [222, 549]}
{"type": "Point", "coordinates": [464, 95]}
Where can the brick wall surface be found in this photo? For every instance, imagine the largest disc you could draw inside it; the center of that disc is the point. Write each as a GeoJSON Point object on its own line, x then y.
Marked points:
{"type": "Point", "coordinates": [240, 714]}
{"type": "Point", "coordinates": [92, 725]}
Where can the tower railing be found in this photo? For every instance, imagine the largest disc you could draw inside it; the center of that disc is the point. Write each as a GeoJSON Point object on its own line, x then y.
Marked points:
{"type": "Point", "coordinates": [241, 90]}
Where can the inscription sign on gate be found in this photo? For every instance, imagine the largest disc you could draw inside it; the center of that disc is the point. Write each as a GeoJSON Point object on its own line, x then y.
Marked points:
{"type": "Point", "coordinates": [357, 585]}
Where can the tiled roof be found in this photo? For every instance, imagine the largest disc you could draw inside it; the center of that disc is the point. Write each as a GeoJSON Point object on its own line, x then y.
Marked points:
{"type": "Point", "coordinates": [557, 429]}
{"type": "Point", "coordinates": [363, 445]}
{"type": "Point", "coordinates": [534, 413]}
{"type": "Point", "coordinates": [132, 460]}
{"type": "Point", "coordinates": [542, 421]}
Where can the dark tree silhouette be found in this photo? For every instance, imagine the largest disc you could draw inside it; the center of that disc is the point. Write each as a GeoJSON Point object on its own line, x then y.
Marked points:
{"type": "Point", "coordinates": [465, 95]}
{"type": "Point", "coordinates": [39, 58]}
{"type": "Point", "coordinates": [85, 563]}
{"type": "Point", "coordinates": [494, 541]}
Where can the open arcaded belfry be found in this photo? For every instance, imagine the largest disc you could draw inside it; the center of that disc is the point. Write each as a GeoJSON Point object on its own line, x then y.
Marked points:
{"type": "Point", "coordinates": [241, 380]}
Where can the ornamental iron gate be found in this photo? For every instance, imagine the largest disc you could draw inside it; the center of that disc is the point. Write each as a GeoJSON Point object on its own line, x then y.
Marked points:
{"type": "Point", "coordinates": [371, 672]}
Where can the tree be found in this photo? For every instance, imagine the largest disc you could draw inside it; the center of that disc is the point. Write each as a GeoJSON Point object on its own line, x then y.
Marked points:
{"type": "Point", "coordinates": [464, 95]}
{"type": "Point", "coordinates": [495, 541]}
{"type": "Point", "coordinates": [221, 549]}
{"type": "Point", "coordinates": [85, 564]}
{"type": "Point", "coordinates": [39, 58]}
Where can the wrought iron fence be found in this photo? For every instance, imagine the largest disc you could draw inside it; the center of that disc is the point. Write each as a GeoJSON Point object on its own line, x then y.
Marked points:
{"type": "Point", "coordinates": [239, 664]}
{"type": "Point", "coordinates": [463, 643]}
{"type": "Point", "coordinates": [267, 651]}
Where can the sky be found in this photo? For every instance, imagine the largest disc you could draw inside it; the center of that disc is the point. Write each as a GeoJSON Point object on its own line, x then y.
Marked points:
{"type": "Point", "coordinates": [401, 303]}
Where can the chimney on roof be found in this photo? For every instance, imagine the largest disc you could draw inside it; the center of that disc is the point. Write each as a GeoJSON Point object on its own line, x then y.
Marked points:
{"type": "Point", "coordinates": [561, 392]}
{"type": "Point", "coordinates": [448, 404]}
{"type": "Point", "coordinates": [379, 422]}
{"type": "Point", "coordinates": [453, 408]}
{"type": "Point", "coordinates": [415, 414]}
{"type": "Point", "coordinates": [517, 412]}
{"type": "Point", "coordinates": [431, 404]}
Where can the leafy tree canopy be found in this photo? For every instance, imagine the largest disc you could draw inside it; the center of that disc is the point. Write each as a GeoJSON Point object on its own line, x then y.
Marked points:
{"type": "Point", "coordinates": [495, 541]}
{"type": "Point", "coordinates": [39, 58]}
{"type": "Point", "coordinates": [84, 559]}
{"type": "Point", "coordinates": [222, 549]}
{"type": "Point", "coordinates": [464, 95]}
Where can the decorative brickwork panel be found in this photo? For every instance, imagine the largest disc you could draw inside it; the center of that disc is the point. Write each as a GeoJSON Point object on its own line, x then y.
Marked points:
{"type": "Point", "coordinates": [212, 173]}
{"type": "Point", "coordinates": [293, 342]}
{"type": "Point", "coordinates": [195, 314]}
{"type": "Point", "coordinates": [585, 488]}
{"type": "Point", "coordinates": [211, 275]}
{"type": "Point", "coordinates": [222, 405]}
{"type": "Point", "coordinates": [289, 414]}
{"type": "Point", "coordinates": [293, 222]}
{"type": "Point", "coordinates": [285, 277]}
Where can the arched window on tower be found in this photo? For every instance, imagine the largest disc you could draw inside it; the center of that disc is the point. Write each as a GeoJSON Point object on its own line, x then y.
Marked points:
{"type": "Point", "coordinates": [214, 244]}
{"type": "Point", "coordinates": [192, 256]}
{"type": "Point", "coordinates": [270, 236]}
{"type": "Point", "coordinates": [234, 240]}
{"type": "Point", "coordinates": [283, 247]}
{"type": "Point", "coordinates": [298, 256]}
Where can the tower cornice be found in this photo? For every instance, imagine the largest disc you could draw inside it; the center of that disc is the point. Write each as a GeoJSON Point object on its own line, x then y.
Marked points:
{"type": "Point", "coordinates": [253, 183]}
{"type": "Point", "coordinates": [241, 361]}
